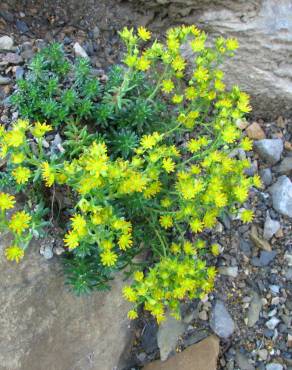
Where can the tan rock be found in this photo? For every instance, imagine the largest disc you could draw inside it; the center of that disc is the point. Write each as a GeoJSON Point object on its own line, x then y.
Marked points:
{"type": "Point", "coordinates": [254, 131]}
{"type": "Point", "coordinates": [200, 356]}
{"type": "Point", "coordinates": [288, 146]}
{"type": "Point", "coordinates": [258, 242]}
{"type": "Point", "coordinates": [46, 327]}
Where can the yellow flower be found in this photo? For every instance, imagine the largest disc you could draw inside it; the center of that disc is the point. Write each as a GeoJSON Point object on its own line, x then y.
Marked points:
{"type": "Point", "coordinates": [230, 134]}
{"type": "Point", "coordinates": [79, 224]}
{"type": "Point", "coordinates": [178, 64]}
{"type": "Point", "coordinates": [231, 44]}
{"type": "Point", "coordinates": [132, 315]}
{"type": "Point", "coordinates": [7, 201]}
{"type": "Point", "coordinates": [167, 86]}
{"type": "Point", "coordinates": [177, 99]}
{"type": "Point", "coordinates": [190, 93]}
{"type": "Point", "coordinates": [18, 158]}
{"type": "Point", "coordinates": [198, 44]}
{"type": "Point", "coordinates": [168, 164]}
{"type": "Point", "coordinates": [257, 181]}
{"type": "Point", "coordinates": [125, 241]}
{"type": "Point", "coordinates": [143, 64]}
{"type": "Point", "coordinates": [215, 249]}
{"type": "Point", "coordinates": [247, 215]}
{"type": "Point", "coordinates": [166, 221]}
{"type": "Point", "coordinates": [19, 222]}
{"type": "Point", "coordinates": [21, 174]}
{"type": "Point", "coordinates": [144, 34]}
{"type": "Point", "coordinates": [149, 141]}
{"type": "Point", "coordinates": [188, 248]}
{"type": "Point", "coordinates": [48, 174]}
{"type": "Point", "coordinates": [71, 240]}
{"type": "Point", "coordinates": [241, 193]}
{"type": "Point", "coordinates": [165, 202]}
{"type": "Point", "coordinates": [201, 74]}
{"type": "Point", "coordinates": [246, 144]}
{"type": "Point", "coordinates": [130, 60]}
{"type": "Point", "coordinates": [129, 294]}
{"type": "Point", "coordinates": [138, 276]}
{"type": "Point", "coordinates": [14, 253]}
{"type": "Point", "coordinates": [40, 129]}
{"type": "Point", "coordinates": [196, 226]}
{"type": "Point", "coordinates": [14, 138]}
{"type": "Point", "coordinates": [108, 258]}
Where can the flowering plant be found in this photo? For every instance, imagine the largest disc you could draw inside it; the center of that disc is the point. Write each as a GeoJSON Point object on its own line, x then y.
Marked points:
{"type": "Point", "coordinates": [158, 194]}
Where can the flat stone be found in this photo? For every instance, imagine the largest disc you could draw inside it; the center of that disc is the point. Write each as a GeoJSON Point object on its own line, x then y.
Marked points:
{"type": "Point", "coordinates": [45, 326]}
{"type": "Point", "coordinates": [263, 354]}
{"type": "Point", "coordinates": [79, 51]}
{"type": "Point", "coordinates": [269, 150]}
{"type": "Point", "coordinates": [274, 366]}
{"type": "Point", "coordinates": [201, 356]}
{"type": "Point", "coordinates": [271, 227]}
{"type": "Point", "coordinates": [221, 322]}
{"type": "Point", "coordinates": [285, 167]}
{"type": "Point", "coordinates": [266, 176]}
{"type": "Point", "coordinates": [265, 259]}
{"type": "Point", "coordinates": [272, 323]}
{"type": "Point", "coordinates": [149, 338]}
{"type": "Point", "coordinates": [282, 196]}
{"type": "Point", "coordinates": [4, 80]}
{"type": "Point", "coordinates": [245, 247]}
{"type": "Point", "coordinates": [21, 26]}
{"type": "Point", "coordinates": [231, 271]}
{"type": "Point", "coordinates": [257, 241]}
{"type": "Point", "coordinates": [254, 310]}
{"type": "Point", "coordinates": [243, 362]}
{"type": "Point", "coordinates": [255, 132]}
{"type": "Point", "coordinates": [12, 58]}
{"type": "Point", "coordinates": [6, 43]}
{"type": "Point", "coordinates": [167, 336]}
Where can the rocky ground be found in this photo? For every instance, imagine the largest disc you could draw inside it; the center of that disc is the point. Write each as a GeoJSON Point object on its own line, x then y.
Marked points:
{"type": "Point", "coordinates": [251, 307]}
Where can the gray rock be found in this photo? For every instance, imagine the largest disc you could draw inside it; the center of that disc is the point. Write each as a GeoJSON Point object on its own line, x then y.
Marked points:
{"type": "Point", "coordinates": [272, 323]}
{"type": "Point", "coordinates": [282, 196]}
{"type": "Point", "coordinates": [19, 72]}
{"type": "Point", "coordinates": [45, 326]}
{"type": "Point", "coordinates": [288, 274]}
{"type": "Point", "coordinates": [285, 167]}
{"type": "Point", "coordinates": [4, 80]}
{"type": "Point", "coordinates": [21, 26]}
{"type": "Point", "coordinates": [265, 259]}
{"type": "Point", "coordinates": [167, 336]}
{"type": "Point", "coordinates": [79, 51]}
{"type": "Point", "coordinates": [221, 322]}
{"type": "Point", "coordinates": [288, 258]}
{"type": "Point", "coordinates": [266, 176]}
{"type": "Point", "coordinates": [274, 366]}
{"type": "Point", "coordinates": [149, 337]}
{"type": "Point", "coordinates": [254, 310]}
{"type": "Point", "coordinates": [47, 252]}
{"type": "Point", "coordinates": [6, 43]}
{"type": "Point", "coordinates": [245, 247]}
{"type": "Point", "coordinates": [269, 149]}
{"type": "Point", "coordinates": [9, 17]}
{"type": "Point", "coordinates": [263, 354]}
{"type": "Point", "coordinates": [12, 58]}
{"type": "Point", "coordinates": [231, 271]}
{"type": "Point", "coordinates": [243, 362]}
{"type": "Point", "coordinates": [271, 227]}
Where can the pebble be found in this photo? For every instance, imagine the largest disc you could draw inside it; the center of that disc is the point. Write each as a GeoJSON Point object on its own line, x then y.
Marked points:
{"type": "Point", "coordinates": [263, 354]}
{"type": "Point", "coordinates": [243, 362]}
{"type": "Point", "coordinates": [254, 310]}
{"type": "Point", "coordinates": [203, 316]}
{"type": "Point", "coordinates": [255, 132]}
{"type": "Point", "coordinates": [12, 58]}
{"type": "Point", "coordinates": [272, 323]}
{"type": "Point", "coordinates": [266, 176]}
{"type": "Point", "coordinates": [258, 242]}
{"type": "Point", "coordinates": [269, 149]}
{"type": "Point", "coordinates": [47, 252]}
{"type": "Point", "coordinates": [282, 196]}
{"type": "Point", "coordinates": [271, 227]}
{"type": "Point", "coordinates": [274, 366]}
{"type": "Point", "coordinates": [168, 333]}
{"type": "Point", "coordinates": [231, 271]}
{"type": "Point", "coordinates": [288, 258]}
{"type": "Point", "coordinates": [275, 289]}
{"type": "Point", "coordinates": [265, 259]}
{"type": "Point", "coordinates": [21, 26]}
{"type": "Point", "coordinates": [79, 51]}
{"type": "Point", "coordinates": [288, 274]}
{"type": "Point", "coordinates": [19, 72]}
{"type": "Point", "coordinates": [221, 322]}
{"type": "Point", "coordinates": [245, 247]}
{"type": "Point", "coordinates": [6, 43]}
{"type": "Point", "coordinates": [4, 80]}
{"type": "Point", "coordinates": [285, 167]}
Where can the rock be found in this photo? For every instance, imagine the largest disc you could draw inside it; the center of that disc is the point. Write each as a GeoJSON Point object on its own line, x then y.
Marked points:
{"type": "Point", "coordinates": [79, 51]}
{"type": "Point", "coordinates": [195, 337]}
{"type": "Point", "coordinates": [47, 251]}
{"type": "Point", "coordinates": [221, 322]}
{"type": "Point", "coordinates": [231, 271]}
{"type": "Point", "coordinates": [19, 72]}
{"type": "Point", "coordinates": [274, 366]}
{"type": "Point", "coordinates": [202, 356]}
{"type": "Point", "coordinates": [45, 326]}
{"type": "Point", "coordinates": [288, 274]}
{"type": "Point", "coordinates": [245, 247]}
{"type": "Point", "coordinates": [263, 354]}
{"type": "Point", "coordinates": [255, 132]}
{"type": "Point", "coordinates": [265, 259]}
{"type": "Point", "coordinates": [289, 341]}
{"type": "Point", "coordinates": [282, 196]}
{"type": "Point", "coordinates": [12, 58]}
{"type": "Point", "coordinates": [269, 150]}
{"type": "Point", "coordinates": [9, 17]}
{"type": "Point", "coordinates": [4, 80]}
{"type": "Point", "coordinates": [271, 227]}
{"type": "Point", "coordinates": [6, 43]}
{"type": "Point", "coordinates": [285, 167]}
{"type": "Point", "coordinates": [288, 258]}
{"type": "Point", "coordinates": [168, 333]}
{"type": "Point", "coordinates": [258, 242]}
{"type": "Point", "coordinates": [21, 26]}
{"type": "Point", "coordinates": [266, 176]}
{"type": "Point", "coordinates": [254, 310]}
{"type": "Point", "coordinates": [203, 316]}
{"type": "Point", "coordinates": [149, 337]}
{"type": "Point", "coordinates": [243, 362]}
{"type": "Point", "coordinates": [272, 323]}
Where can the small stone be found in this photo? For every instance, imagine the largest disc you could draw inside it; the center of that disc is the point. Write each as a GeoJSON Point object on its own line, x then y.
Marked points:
{"type": "Point", "coordinates": [289, 341]}
{"type": "Point", "coordinates": [266, 176]}
{"type": "Point", "coordinates": [221, 322]}
{"type": "Point", "coordinates": [274, 366]}
{"type": "Point", "coordinates": [203, 316]}
{"type": "Point", "coordinates": [271, 227]}
{"type": "Point", "coordinates": [21, 26]}
{"type": "Point", "coordinates": [254, 310]}
{"type": "Point", "coordinates": [269, 149]}
{"type": "Point", "coordinates": [58, 251]}
{"type": "Point", "coordinates": [263, 354]}
{"type": "Point", "coordinates": [47, 252]}
{"type": "Point", "coordinates": [149, 337]}
{"type": "Point", "coordinates": [9, 17]}
{"type": "Point", "coordinates": [275, 289]}
{"type": "Point", "coordinates": [96, 32]}
{"type": "Point", "coordinates": [243, 362]}
{"type": "Point", "coordinates": [288, 258]}
{"type": "Point", "coordinates": [79, 51]}
{"type": "Point", "coordinates": [6, 43]}
{"type": "Point", "coordinates": [241, 124]}
{"type": "Point", "coordinates": [4, 80]}
{"type": "Point", "coordinates": [279, 234]}
{"type": "Point", "coordinates": [231, 271]}
{"type": "Point", "coordinates": [168, 333]}
{"type": "Point", "coordinates": [282, 196]}
{"type": "Point", "coordinates": [12, 58]}
{"type": "Point", "coordinates": [19, 72]}
{"type": "Point", "coordinates": [245, 247]}
{"type": "Point", "coordinates": [275, 301]}
{"type": "Point", "coordinates": [285, 167]}
{"type": "Point", "coordinates": [258, 242]}
{"type": "Point", "coordinates": [288, 146]}
{"type": "Point", "coordinates": [255, 132]}
{"type": "Point", "coordinates": [265, 259]}
{"type": "Point", "coordinates": [272, 323]}
{"type": "Point", "coordinates": [288, 274]}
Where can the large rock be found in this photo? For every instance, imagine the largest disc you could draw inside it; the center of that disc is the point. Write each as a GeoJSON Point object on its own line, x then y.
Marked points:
{"type": "Point", "coordinates": [269, 149]}
{"type": "Point", "coordinates": [282, 196]}
{"type": "Point", "coordinates": [200, 356]}
{"type": "Point", "coordinates": [264, 29]}
{"type": "Point", "coordinates": [45, 327]}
